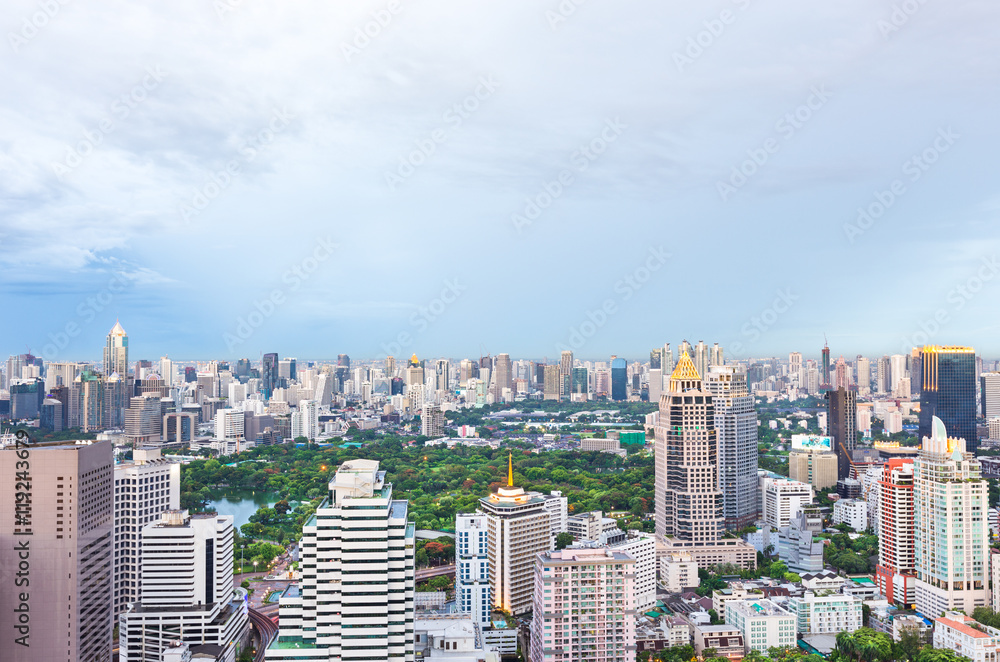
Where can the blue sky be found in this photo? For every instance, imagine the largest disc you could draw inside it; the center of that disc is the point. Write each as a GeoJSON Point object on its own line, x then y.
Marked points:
{"type": "Point", "coordinates": [380, 187]}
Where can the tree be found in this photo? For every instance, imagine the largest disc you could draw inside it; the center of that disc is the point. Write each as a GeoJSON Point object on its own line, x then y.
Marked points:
{"type": "Point", "coordinates": [715, 620]}
{"type": "Point", "coordinates": [564, 540]}
{"type": "Point", "coordinates": [928, 654]}
{"type": "Point", "coordinates": [909, 645]}
{"type": "Point", "coordinates": [281, 507]}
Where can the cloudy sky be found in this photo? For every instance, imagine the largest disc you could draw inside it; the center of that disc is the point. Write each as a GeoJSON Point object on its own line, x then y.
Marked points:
{"type": "Point", "coordinates": [231, 177]}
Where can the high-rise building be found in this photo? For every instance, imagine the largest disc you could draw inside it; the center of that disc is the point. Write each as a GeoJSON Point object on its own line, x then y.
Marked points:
{"type": "Point", "coordinates": [895, 572]}
{"type": "Point", "coordinates": [565, 374]}
{"type": "Point", "coordinates": [825, 375]}
{"type": "Point", "coordinates": [503, 376]}
{"type": "Point", "coordinates": [583, 606]}
{"type": "Point", "coordinates": [783, 499]}
{"type": "Point", "coordinates": [716, 356]}
{"type": "Point", "coordinates": [990, 392]}
{"type": "Point", "coordinates": [414, 372]}
{"type": "Point", "coordinates": [795, 373]}
{"type": "Point", "coordinates": [948, 391]}
{"type": "Point", "coordinates": [842, 426]}
{"type": "Point", "coordinates": [950, 505]}
{"type": "Point", "coordinates": [864, 378]}
{"type": "Point", "coordinates": [815, 466]}
{"type": "Point", "coordinates": [56, 551]}
{"type": "Point", "coordinates": [144, 488]}
{"type": "Point", "coordinates": [432, 421]}
{"type": "Point", "coordinates": [897, 370]}
{"type": "Point", "coordinates": [580, 385]}
{"type": "Point", "coordinates": [619, 379]}
{"type": "Point", "coordinates": [269, 375]}
{"type": "Point", "coordinates": [667, 365]}
{"type": "Point", "coordinates": [357, 565]}
{"type": "Point", "coordinates": [700, 358]}
{"type": "Point", "coordinates": [519, 527]}
{"type": "Point", "coordinates": [688, 499]}
{"type": "Point", "coordinates": [736, 430]}
{"type": "Point", "coordinates": [143, 420]}
{"type": "Point", "coordinates": [187, 591]}
{"type": "Point", "coordinates": [442, 376]}
{"type": "Point", "coordinates": [656, 358]}
{"type": "Point", "coordinates": [842, 374]}
{"type": "Point", "coordinates": [116, 352]}
{"type": "Point", "coordinates": [551, 382]}
{"type": "Point", "coordinates": [472, 568]}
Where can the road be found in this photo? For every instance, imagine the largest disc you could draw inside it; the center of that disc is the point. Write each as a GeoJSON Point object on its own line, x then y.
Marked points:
{"type": "Point", "coordinates": [436, 571]}
{"type": "Point", "coordinates": [264, 631]}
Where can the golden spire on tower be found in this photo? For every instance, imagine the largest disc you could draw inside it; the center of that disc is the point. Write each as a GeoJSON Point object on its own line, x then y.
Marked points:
{"type": "Point", "coordinates": [510, 470]}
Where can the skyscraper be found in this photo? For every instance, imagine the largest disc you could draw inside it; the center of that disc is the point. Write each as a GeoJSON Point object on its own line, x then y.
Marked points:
{"type": "Point", "coordinates": [656, 358]}
{"type": "Point", "coordinates": [716, 356]}
{"type": "Point", "coordinates": [667, 365]}
{"type": "Point", "coordinates": [952, 532]}
{"type": "Point", "coordinates": [689, 503]}
{"type": "Point", "coordinates": [442, 374]}
{"type": "Point", "coordinates": [357, 564]}
{"type": "Point", "coordinates": [842, 426]}
{"type": "Point", "coordinates": [895, 573]}
{"type": "Point", "coordinates": [116, 352]}
{"type": "Point", "coordinates": [550, 382]}
{"type": "Point", "coordinates": [56, 551]}
{"type": "Point", "coordinates": [688, 498]}
{"type": "Point", "coordinates": [825, 370]}
{"type": "Point", "coordinates": [565, 374]}
{"type": "Point", "coordinates": [580, 385]}
{"type": "Point", "coordinates": [619, 379]}
{"type": "Point", "coordinates": [503, 376]}
{"type": "Point", "coordinates": [864, 370]}
{"type": "Point", "coordinates": [187, 590]}
{"type": "Point", "coordinates": [519, 527]}
{"type": "Point", "coordinates": [795, 374]}
{"type": "Point", "coordinates": [269, 375]}
{"type": "Point", "coordinates": [949, 392]}
{"type": "Point", "coordinates": [736, 429]}
{"type": "Point", "coordinates": [700, 358]}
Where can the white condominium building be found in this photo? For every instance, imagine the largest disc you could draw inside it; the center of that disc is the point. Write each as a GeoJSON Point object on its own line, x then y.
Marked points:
{"type": "Point", "coordinates": [357, 565]}
{"type": "Point", "coordinates": [951, 538]}
{"type": "Point", "coordinates": [144, 489]}
{"type": "Point", "coordinates": [187, 591]}
{"type": "Point", "coordinates": [763, 624]}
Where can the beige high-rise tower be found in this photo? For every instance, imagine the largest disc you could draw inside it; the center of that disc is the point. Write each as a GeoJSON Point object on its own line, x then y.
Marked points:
{"type": "Point", "coordinates": [116, 352]}
{"type": "Point", "coordinates": [689, 502]}
{"type": "Point", "coordinates": [56, 537]}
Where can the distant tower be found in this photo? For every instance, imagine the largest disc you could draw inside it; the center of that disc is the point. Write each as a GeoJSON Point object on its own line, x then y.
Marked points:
{"type": "Point", "coordinates": [269, 375]}
{"type": "Point", "coordinates": [116, 352]}
{"type": "Point", "coordinates": [842, 423]}
{"type": "Point", "coordinates": [619, 379]}
{"type": "Point", "coordinates": [701, 358]}
{"type": "Point", "coordinates": [565, 374]}
{"type": "Point", "coordinates": [825, 370]}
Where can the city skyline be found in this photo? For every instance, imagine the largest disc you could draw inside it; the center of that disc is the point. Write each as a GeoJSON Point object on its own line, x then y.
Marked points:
{"type": "Point", "coordinates": [132, 193]}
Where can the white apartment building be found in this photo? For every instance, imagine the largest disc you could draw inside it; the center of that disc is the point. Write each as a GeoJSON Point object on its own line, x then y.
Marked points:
{"type": "Point", "coordinates": [583, 606]}
{"type": "Point", "coordinates": [678, 571]}
{"type": "Point", "coordinates": [763, 623]}
{"type": "Point", "coordinates": [187, 591]}
{"type": "Point", "coordinates": [826, 612]}
{"type": "Point", "coordinates": [228, 424]}
{"type": "Point", "coordinates": [451, 638]}
{"type": "Point", "coordinates": [966, 637]}
{"type": "Point", "coordinates": [357, 564]}
{"type": "Point", "coordinates": [642, 548]}
{"type": "Point", "coordinates": [852, 512]}
{"type": "Point", "coordinates": [951, 536]}
{"type": "Point", "coordinates": [472, 569]}
{"type": "Point", "coordinates": [144, 489]}
{"type": "Point", "coordinates": [781, 499]}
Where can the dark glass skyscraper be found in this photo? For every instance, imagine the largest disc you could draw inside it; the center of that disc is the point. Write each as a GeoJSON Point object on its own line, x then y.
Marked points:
{"type": "Point", "coordinates": [619, 379]}
{"type": "Point", "coordinates": [842, 424]}
{"type": "Point", "coordinates": [948, 391]}
{"type": "Point", "coordinates": [269, 375]}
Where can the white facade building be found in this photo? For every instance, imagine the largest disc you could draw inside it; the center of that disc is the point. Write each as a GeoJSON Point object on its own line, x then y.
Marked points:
{"type": "Point", "coordinates": [826, 612]}
{"type": "Point", "coordinates": [187, 590]}
{"type": "Point", "coordinates": [229, 424]}
{"type": "Point", "coordinates": [678, 572]}
{"type": "Point", "coordinates": [966, 637]}
{"type": "Point", "coordinates": [357, 565]}
{"type": "Point", "coordinates": [472, 570]}
{"type": "Point", "coordinates": [782, 499]}
{"type": "Point", "coordinates": [144, 489]}
{"type": "Point", "coordinates": [853, 512]}
{"type": "Point", "coordinates": [763, 623]}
